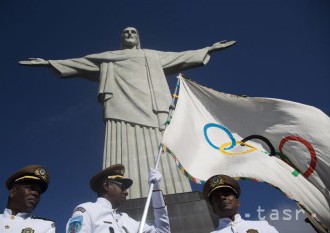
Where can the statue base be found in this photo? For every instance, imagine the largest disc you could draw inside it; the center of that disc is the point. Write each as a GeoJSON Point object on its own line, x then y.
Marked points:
{"type": "Point", "coordinates": [188, 212]}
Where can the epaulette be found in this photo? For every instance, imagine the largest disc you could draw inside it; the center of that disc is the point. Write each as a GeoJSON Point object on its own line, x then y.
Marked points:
{"type": "Point", "coordinates": [80, 209]}
{"type": "Point", "coordinates": [45, 219]}
{"type": "Point", "coordinates": [41, 218]}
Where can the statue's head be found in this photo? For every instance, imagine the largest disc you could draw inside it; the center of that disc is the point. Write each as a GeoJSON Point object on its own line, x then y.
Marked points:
{"type": "Point", "coordinates": [130, 38]}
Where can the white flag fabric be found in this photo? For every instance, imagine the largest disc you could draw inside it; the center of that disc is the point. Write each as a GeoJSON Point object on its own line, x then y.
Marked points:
{"type": "Point", "coordinates": [283, 143]}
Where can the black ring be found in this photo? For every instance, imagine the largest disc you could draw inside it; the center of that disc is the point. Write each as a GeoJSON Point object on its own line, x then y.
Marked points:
{"type": "Point", "coordinates": [265, 140]}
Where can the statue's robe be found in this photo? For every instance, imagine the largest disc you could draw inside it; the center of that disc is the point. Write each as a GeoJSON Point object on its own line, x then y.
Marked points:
{"type": "Point", "coordinates": [136, 100]}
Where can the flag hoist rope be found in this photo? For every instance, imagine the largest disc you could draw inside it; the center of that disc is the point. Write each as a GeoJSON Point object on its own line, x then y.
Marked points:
{"type": "Point", "coordinates": [171, 109]}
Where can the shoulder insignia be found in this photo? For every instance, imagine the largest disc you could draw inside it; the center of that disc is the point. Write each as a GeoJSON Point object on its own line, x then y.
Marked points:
{"type": "Point", "coordinates": [252, 231]}
{"type": "Point", "coordinates": [28, 230]}
{"type": "Point", "coordinates": [75, 224]}
{"type": "Point", "coordinates": [41, 218]}
{"type": "Point", "coordinates": [79, 208]}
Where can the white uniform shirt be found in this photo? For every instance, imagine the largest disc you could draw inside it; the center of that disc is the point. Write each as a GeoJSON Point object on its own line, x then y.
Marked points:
{"type": "Point", "coordinates": [240, 225]}
{"type": "Point", "coordinates": [100, 217]}
{"type": "Point", "coordinates": [24, 223]}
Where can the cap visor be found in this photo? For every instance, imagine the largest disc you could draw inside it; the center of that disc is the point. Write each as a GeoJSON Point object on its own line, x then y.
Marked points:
{"type": "Point", "coordinates": [221, 187]}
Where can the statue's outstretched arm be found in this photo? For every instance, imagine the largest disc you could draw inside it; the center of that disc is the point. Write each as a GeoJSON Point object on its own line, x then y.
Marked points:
{"type": "Point", "coordinates": [221, 45]}
{"type": "Point", "coordinates": [34, 62]}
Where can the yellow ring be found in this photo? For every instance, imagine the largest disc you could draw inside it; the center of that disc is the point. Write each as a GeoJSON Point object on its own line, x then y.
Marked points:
{"type": "Point", "coordinates": [223, 146]}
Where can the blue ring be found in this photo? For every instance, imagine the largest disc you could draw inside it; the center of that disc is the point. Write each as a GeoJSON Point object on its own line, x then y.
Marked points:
{"type": "Point", "coordinates": [233, 141]}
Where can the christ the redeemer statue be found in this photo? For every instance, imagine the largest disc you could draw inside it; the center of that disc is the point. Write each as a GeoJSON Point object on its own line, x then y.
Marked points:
{"type": "Point", "coordinates": [135, 95]}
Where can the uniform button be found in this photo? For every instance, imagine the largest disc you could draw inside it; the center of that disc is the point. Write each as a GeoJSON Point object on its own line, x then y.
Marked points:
{"type": "Point", "coordinates": [7, 227]}
{"type": "Point", "coordinates": [12, 217]}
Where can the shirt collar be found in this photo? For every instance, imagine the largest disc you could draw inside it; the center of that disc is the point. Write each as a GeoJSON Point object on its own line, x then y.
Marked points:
{"type": "Point", "coordinates": [225, 222]}
{"type": "Point", "coordinates": [9, 213]}
{"type": "Point", "coordinates": [105, 202]}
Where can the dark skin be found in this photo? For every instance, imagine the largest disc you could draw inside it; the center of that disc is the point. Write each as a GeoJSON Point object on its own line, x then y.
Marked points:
{"type": "Point", "coordinates": [225, 203]}
{"type": "Point", "coordinates": [115, 192]}
{"type": "Point", "coordinates": [24, 197]}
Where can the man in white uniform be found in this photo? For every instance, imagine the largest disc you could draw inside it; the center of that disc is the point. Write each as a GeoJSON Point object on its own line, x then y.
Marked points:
{"type": "Point", "coordinates": [102, 216]}
{"type": "Point", "coordinates": [222, 192]}
{"type": "Point", "coordinates": [25, 188]}
{"type": "Point", "coordinates": [135, 96]}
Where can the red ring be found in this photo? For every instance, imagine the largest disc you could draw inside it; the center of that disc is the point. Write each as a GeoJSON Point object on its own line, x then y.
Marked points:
{"type": "Point", "coordinates": [310, 148]}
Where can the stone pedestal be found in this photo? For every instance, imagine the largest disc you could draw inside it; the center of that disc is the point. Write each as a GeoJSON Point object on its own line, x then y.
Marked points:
{"type": "Point", "coordinates": [188, 212]}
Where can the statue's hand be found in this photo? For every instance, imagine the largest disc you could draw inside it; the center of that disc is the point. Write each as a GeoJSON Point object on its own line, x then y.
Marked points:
{"type": "Point", "coordinates": [221, 45]}
{"type": "Point", "coordinates": [34, 62]}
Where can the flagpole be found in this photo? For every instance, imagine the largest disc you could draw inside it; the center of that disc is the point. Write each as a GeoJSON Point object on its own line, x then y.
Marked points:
{"type": "Point", "coordinates": [151, 187]}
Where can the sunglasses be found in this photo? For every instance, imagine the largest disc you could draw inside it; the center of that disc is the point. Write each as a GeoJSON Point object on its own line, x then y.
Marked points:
{"type": "Point", "coordinates": [119, 184]}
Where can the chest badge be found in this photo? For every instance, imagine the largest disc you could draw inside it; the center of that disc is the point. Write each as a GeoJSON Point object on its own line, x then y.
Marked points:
{"type": "Point", "coordinates": [252, 231]}
{"type": "Point", "coordinates": [28, 230]}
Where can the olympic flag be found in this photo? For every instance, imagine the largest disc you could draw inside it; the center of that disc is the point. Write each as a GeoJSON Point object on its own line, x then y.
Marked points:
{"type": "Point", "coordinates": [283, 143]}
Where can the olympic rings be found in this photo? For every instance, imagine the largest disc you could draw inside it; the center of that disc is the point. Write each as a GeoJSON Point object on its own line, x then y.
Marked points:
{"type": "Point", "coordinates": [229, 145]}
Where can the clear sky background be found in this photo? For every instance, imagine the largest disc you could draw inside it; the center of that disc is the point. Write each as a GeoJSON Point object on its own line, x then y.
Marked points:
{"type": "Point", "coordinates": [282, 51]}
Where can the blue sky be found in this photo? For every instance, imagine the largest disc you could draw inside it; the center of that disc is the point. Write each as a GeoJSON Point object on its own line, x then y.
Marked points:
{"type": "Point", "coordinates": [282, 51]}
